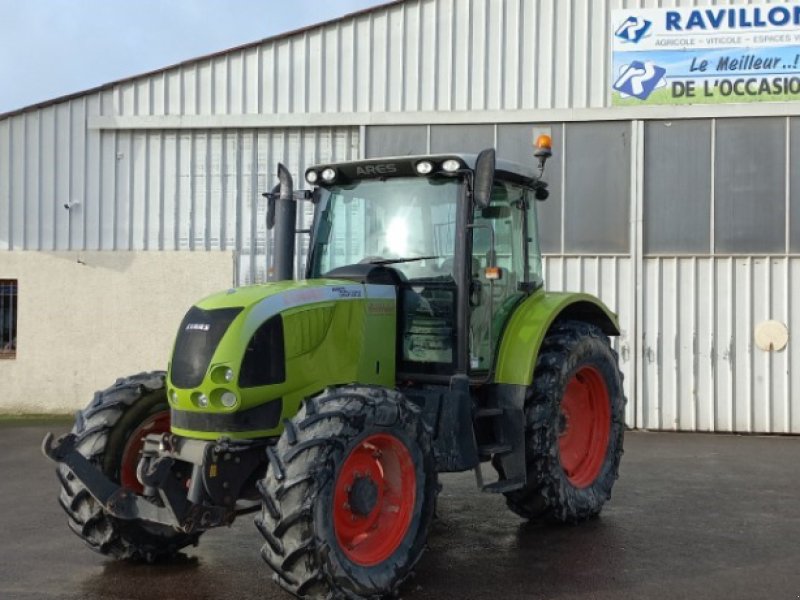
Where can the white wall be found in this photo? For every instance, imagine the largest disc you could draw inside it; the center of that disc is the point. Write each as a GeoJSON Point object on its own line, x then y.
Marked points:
{"type": "Point", "coordinates": [86, 318]}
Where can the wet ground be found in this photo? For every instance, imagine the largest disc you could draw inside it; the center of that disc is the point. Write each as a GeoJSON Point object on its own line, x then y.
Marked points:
{"type": "Point", "coordinates": [693, 516]}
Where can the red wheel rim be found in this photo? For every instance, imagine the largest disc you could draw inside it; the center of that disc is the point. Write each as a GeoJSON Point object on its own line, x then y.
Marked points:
{"type": "Point", "coordinates": [155, 423]}
{"type": "Point", "coordinates": [373, 500]}
{"type": "Point", "coordinates": [585, 426]}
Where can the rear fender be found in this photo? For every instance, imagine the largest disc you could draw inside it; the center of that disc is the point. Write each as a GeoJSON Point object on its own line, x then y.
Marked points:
{"type": "Point", "coordinates": [523, 336]}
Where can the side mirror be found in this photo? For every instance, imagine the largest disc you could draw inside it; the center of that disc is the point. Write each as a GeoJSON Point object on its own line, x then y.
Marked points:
{"type": "Point", "coordinates": [271, 197]}
{"type": "Point", "coordinates": [484, 178]}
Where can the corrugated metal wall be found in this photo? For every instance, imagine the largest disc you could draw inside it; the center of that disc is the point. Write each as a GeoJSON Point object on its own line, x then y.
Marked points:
{"type": "Point", "coordinates": [145, 190]}
{"type": "Point", "coordinates": [416, 55]}
{"type": "Point", "coordinates": [700, 367]}
{"type": "Point", "coordinates": [691, 364]}
{"type": "Point", "coordinates": [687, 315]}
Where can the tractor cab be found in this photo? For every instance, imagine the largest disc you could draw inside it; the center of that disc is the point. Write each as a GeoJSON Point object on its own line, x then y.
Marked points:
{"type": "Point", "coordinates": [459, 265]}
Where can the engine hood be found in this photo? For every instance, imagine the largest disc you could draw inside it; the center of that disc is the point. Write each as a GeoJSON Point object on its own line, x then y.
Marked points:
{"type": "Point", "coordinates": [279, 342]}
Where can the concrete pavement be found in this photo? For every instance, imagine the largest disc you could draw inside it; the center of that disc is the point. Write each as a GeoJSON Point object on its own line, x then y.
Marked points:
{"type": "Point", "coordinates": [693, 516]}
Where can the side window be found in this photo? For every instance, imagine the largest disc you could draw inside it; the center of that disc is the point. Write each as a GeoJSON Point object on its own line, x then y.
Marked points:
{"type": "Point", "coordinates": [8, 318]}
{"type": "Point", "coordinates": [535, 273]}
{"type": "Point", "coordinates": [491, 299]}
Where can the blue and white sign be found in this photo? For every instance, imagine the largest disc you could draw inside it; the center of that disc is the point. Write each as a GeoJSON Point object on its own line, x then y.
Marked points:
{"type": "Point", "coordinates": [706, 55]}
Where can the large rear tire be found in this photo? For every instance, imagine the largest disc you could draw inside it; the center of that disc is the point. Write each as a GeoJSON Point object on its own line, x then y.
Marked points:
{"type": "Point", "coordinates": [349, 495]}
{"type": "Point", "coordinates": [109, 433]}
{"type": "Point", "coordinates": [575, 412]}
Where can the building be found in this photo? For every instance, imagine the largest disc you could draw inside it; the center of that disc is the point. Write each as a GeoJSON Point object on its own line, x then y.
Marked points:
{"type": "Point", "coordinates": [121, 205]}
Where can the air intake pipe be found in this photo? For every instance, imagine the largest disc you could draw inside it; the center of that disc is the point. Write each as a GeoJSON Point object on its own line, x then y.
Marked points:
{"type": "Point", "coordinates": [282, 215]}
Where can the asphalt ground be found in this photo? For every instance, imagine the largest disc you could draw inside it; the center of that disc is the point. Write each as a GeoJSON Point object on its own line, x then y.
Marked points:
{"type": "Point", "coordinates": [693, 516]}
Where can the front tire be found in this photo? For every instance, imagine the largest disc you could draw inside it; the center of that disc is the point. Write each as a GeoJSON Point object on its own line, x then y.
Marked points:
{"type": "Point", "coordinates": [575, 423]}
{"type": "Point", "coordinates": [108, 433]}
{"type": "Point", "coordinates": [349, 495]}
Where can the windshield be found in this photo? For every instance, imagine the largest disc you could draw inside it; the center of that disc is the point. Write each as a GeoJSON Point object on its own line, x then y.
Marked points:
{"type": "Point", "coordinates": [406, 222]}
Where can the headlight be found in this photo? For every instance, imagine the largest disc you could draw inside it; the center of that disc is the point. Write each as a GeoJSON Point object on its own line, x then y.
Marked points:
{"type": "Point", "coordinates": [222, 374]}
{"type": "Point", "coordinates": [328, 175]}
{"type": "Point", "coordinates": [173, 396]}
{"type": "Point", "coordinates": [451, 165]}
{"type": "Point", "coordinates": [200, 399]}
{"type": "Point", "coordinates": [424, 167]}
{"type": "Point", "coordinates": [311, 177]}
{"type": "Point", "coordinates": [228, 399]}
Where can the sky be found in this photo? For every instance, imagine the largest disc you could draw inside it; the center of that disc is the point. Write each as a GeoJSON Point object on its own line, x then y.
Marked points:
{"type": "Point", "coordinates": [50, 48]}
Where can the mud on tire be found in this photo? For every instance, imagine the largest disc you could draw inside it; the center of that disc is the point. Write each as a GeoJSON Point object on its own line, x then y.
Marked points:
{"type": "Point", "coordinates": [570, 489]}
{"type": "Point", "coordinates": [103, 429]}
{"type": "Point", "coordinates": [312, 461]}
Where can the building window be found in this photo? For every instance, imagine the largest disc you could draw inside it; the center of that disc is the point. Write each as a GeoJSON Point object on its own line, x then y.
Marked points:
{"type": "Point", "coordinates": [597, 159]}
{"type": "Point", "coordinates": [8, 318]}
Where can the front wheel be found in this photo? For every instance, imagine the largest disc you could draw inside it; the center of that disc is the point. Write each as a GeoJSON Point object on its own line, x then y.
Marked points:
{"type": "Point", "coordinates": [574, 426]}
{"type": "Point", "coordinates": [109, 433]}
{"type": "Point", "coordinates": [349, 495]}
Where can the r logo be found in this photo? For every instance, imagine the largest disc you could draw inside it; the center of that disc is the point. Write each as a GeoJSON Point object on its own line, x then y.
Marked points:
{"type": "Point", "coordinates": [639, 79]}
{"type": "Point", "coordinates": [633, 29]}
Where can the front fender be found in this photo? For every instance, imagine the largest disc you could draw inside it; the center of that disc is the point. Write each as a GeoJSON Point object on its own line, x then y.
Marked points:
{"type": "Point", "coordinates": [523, 336]}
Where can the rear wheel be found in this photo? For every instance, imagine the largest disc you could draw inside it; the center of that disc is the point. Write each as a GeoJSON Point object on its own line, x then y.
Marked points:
{"type": "Point", "coordinates": [109, 433]}
{"type": "Point", "coordinates": [574, 426]}
{"type": "Point", "coordinates": [349, 495]}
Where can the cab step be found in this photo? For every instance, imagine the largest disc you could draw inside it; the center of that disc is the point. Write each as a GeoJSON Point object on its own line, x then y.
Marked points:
{"type": "Point", "coordinates": [504, 485]}
{"type": "Point", "coordinates": [488, 412]}
{"type": "Point", "coordinates": [493, 449]}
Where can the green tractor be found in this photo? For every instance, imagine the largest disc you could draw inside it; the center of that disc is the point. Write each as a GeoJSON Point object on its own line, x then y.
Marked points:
{"type": "Point", "coordinates": [421, 341]}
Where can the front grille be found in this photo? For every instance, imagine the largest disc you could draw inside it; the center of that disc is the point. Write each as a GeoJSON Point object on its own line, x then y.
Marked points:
{"type": "Point", "coordinates": [264, 358]}
{"type": "Point", "coordinates": [198, 337]}
{"type": "Point", "coordinates": [265, 416]}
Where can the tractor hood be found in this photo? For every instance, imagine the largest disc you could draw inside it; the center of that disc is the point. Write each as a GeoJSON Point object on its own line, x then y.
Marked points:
{"type": "Point", "coordinates": [259, 302]}
{"type": "Point", "coordinates": [244, 357]}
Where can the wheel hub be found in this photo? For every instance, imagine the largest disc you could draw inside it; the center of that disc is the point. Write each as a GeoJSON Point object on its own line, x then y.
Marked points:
{"type": "Point", "coordinates": [363, 496]}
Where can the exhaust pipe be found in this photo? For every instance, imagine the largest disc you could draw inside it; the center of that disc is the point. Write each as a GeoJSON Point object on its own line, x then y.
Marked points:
{"type": "Point", "coordinates": [283, 215]}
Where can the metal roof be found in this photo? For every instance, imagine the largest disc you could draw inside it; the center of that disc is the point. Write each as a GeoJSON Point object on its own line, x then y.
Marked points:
{"type": "Point", "coordinates": [191, 61]}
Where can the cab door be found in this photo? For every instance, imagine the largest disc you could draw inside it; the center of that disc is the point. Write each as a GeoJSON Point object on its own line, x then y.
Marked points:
{"type": "Point", "coordinates": [506, 266]}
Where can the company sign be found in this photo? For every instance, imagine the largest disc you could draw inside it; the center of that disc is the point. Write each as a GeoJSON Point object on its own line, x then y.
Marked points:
{"type": "Point", "coordinates": [706, 55]}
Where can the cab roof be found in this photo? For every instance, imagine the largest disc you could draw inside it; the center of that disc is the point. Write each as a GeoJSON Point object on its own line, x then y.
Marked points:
{"type": "Point", "coordinates": [504, 169]}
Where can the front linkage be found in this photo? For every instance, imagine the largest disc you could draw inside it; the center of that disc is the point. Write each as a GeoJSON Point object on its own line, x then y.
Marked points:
{"type": "Point", "coordinates": [138, 471]}
{"type": "Point", "coordinates": [190, 485]}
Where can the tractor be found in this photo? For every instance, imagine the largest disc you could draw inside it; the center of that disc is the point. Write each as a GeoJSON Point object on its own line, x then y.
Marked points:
{"type": "Point", "coordinates": [420, 341]}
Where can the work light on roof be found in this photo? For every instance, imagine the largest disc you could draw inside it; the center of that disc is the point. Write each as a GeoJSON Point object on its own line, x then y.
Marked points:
{"type": "Point", "coordinates": [451, 165]}
{"type": "Point", "coordinates": [424, 167]}
{"type": "Point", "coordinates": [328, 175]}
{"type": "Point", "coordinates": [312, 176]}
